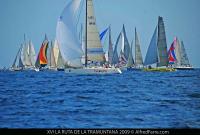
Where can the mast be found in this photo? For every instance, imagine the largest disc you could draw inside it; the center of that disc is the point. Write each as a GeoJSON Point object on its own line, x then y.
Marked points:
{"type": "Point", "coordinates": [86, 36]}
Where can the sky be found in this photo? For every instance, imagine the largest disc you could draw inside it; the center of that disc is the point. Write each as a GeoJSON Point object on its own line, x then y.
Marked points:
{"type": "Point", "coordinates": [37, 17]}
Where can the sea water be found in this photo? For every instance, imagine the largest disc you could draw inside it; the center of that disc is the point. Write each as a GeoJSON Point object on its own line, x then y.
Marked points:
{"type": "Point", "coordinates": [134, 99]}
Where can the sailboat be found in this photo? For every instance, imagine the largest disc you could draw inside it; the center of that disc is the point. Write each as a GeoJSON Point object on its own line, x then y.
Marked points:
{"type": "Point", "coordinates": [171, 53]}
{"type": "Point", "coordinates": [70, 45]}
{"type": "Point", "coordinates": [25, 58]}
{"type": "Point", "coordinates": [138, 63]}
{"type": "Point", "coordinates": [42, 61]}
{"type": "Point", "coordinates": [157, 51]}
{"type": "Point", "coordinates": [181, 61]}
{"type": "Point", "coordinates": [17, 64]}
{"type": "Point", "coordinates": [121, 51]}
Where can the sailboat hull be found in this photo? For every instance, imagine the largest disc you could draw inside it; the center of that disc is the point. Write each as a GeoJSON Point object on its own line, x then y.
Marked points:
{"type": "Point", "coordinates": [134, 69]}
{"type": "Point", "coordinates": [94, 70]}
{"type": "Point", "coordinates": [159, 69]}
{"type": "Point", "coordinates": [60, 69]}
{"type": "Point", "coordinates": [15, 69]}
{"type": "Point", "coordinates": [184, 68]}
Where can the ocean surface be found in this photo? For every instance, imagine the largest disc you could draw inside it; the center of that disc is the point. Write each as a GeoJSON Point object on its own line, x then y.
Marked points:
{"type": "Point", "coordinates": [134, 99]}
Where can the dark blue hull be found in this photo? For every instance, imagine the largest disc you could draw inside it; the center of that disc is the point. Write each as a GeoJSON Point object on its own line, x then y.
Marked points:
{"type": "Point", "coordinates": [134, 69]}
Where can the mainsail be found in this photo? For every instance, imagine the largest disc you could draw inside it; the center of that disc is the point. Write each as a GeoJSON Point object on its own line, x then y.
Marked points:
{"type": "Point", "coordinates": [56, 51]}
{"type": "Point", "coordinates": [66, 35]}
{"type": "Point", "coordinates": [52, 62]}
{"type": "Point", "coordinates": [157, 51]}
{"type": "Point", "coordinates": [138, 54]}
{"type": "Point", "coordinates": [42, 56]}
{"type": "Point", "coordinates": [94, 49]}
{"type": "Point", "coordinates": [31, 53]}
{"type": "Point", "coordinates": [162, 44]}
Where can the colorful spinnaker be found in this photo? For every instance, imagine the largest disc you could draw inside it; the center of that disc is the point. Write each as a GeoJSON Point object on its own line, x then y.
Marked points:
{"type": "Point", "coordinates": [42, 56]}
{"type": "Point", "coordinates": [171, 52]}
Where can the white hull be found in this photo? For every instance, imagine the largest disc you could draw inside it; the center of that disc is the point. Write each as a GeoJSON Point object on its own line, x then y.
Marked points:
{"type": "Point", "coordinates": [94, 70]}
{"type": "Point", "coordinates": [184, 68]}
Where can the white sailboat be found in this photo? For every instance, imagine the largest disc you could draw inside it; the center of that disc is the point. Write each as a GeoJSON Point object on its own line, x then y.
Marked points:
{"type": "Point", "coordinates": [25, 57]}
{"type": "Point", "coordinates": [182, 61]}
{"type": "Point", "coordinates": [17, 64]}
{"type": "Point", "coordinates": [70, 45]}
{"type": "Point", "coordinates": [157, 51]}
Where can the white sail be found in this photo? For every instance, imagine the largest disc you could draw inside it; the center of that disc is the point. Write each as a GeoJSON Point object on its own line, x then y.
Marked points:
{"type": "Point", "coordinates": [60, 63]}
{"type": "Point", "coordinates": [152, 52]}
{"type": "Point", "coordinates": [52, 58]}
{"type": "Point", "coordinates": [178, 53]}
{"type": "Point", "coordinates": [56, 51]}
{"type": "Point", "coordinates": [66, 35]}
{"type": "Point", "coordinates": [94, 48]}
{"type": "Point", "coordinates": [32, 55]}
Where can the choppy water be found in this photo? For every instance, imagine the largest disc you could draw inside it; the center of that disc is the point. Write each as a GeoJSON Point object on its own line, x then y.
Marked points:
{"type": "Point", "coordinates": [132, 99]}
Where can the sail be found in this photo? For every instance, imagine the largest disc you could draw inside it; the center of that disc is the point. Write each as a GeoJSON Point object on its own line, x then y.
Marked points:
{"type": "Point", "coordinates": [184, 57]}
{"type": "Point", "coordinates": [60, 63]}
{"type": "Point", "coordinates": [125, 43]}
{"type": "Point", "coordinates": [21, 64]}
{"type": "Point", "coordinates": [152, 56]}
{"type": "Point", "coordinates": [32, 54]}
{"type": "Point", "coordinates": [52, 58]}
{"type": "Point", "coordinates": [56, 51]}
{"type": "Point", "coordinates": [103, 33]}
{"type": "Point", "coordinates": [16, 57]}
{"type": "Point", "coordinates": [138, 54]}
{"type": "Point", "coordinates": [171, 53]}
{"type": "Point", "coordinates": [24, 54]}
{"type": "Point", "coordinates": [94, 49]}
{"type": "Point", "coordinates": [162, 44]}
{"type": "Point", "coordinates": [122, 59]}
{"type": "Point", "coordinates": [115, 58]}
{"type": "Point", "coordinates": [42, 56]}
{"type": "Point", "coordinates": [67, 36]}
{"type": "Point", "coordinates": [130, 62]}
{"type": "Point", "coordinates": [178, 52]}
{"type": "Point", "coordinates": [110, 48]}
{"type": "Point", "coordinates": [26, 57]}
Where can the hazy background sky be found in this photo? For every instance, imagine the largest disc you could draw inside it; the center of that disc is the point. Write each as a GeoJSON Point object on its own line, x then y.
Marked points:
{"type": "Point", "coordinates": [37, 17]}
